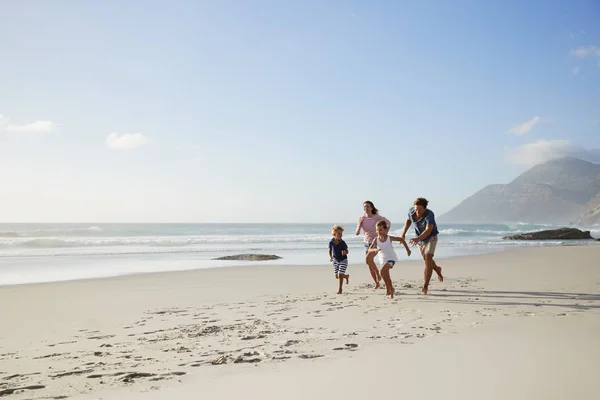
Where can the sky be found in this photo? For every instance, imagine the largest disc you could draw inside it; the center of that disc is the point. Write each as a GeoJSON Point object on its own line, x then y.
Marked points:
{"type": "Point", "coordinates": [285, 111]}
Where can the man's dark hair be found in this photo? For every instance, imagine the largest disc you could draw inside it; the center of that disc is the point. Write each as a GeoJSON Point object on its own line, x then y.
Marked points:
{"type": "Point", "coordinates": [421, 201]}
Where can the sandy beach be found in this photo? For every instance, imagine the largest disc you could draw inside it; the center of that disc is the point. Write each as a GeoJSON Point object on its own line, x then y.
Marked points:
{"type": "Point", "coordinates": [523, 324]}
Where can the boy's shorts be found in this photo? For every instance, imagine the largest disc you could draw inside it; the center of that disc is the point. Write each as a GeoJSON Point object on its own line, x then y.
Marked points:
{"type": "Point", "coordinates": [391, 262]}
{"type": "Point", "coordinates": [339, 267]}
{"type": "Point", "coordinates": [429, 247]}
{"type": "Point", "coordinates": [367, 246]}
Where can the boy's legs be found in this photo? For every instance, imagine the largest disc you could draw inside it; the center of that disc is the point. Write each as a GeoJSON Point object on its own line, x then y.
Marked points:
{"type": "Point", "coordinates": [385, 274]}
{"type": "Point", "coordinates": [341, 282]}
{"type": "Point", "coordinates": [340, 273]}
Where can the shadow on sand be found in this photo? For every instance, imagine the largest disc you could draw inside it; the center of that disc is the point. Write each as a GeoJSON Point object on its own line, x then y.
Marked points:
{"type": "Point", "coordinates": [516, 298]}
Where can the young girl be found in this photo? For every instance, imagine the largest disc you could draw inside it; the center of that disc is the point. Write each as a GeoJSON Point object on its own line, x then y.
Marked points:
{"type": "Point", "coordinates": [367, 223]}
{"type": "Point", "coordinates": [338, 254]}
{"type": "Point", "coordinates": [387, 256]}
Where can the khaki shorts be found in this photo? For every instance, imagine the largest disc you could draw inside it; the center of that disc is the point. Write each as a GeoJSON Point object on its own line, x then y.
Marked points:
{"type": "Point", "coordinates": [429, 247]}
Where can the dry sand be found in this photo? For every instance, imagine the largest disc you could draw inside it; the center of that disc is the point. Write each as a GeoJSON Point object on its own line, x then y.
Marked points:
{"type": "Point", "coordinates": [516, 325]}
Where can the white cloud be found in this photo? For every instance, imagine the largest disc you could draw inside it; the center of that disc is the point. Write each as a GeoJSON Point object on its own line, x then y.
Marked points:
{"type": "Point", "coordinates": [575, 70]}
{"type": "Point", "coordinates": [123, 141]}
{"type": "Point", "coordinates": [531, 154]}
{"type": "Point", "coordinates": [587, 51]}
{"type": "Point", "coordinates": [34, 127]}
{"type": "Point", "coordinates": [525, 127]}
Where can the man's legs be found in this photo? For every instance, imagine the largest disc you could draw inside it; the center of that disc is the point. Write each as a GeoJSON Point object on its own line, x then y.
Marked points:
{"type": "Point", "coordinates": [428, 272]}
{"type": "Point", "coordinates": [438, 270]}
{"type": "Point", "coordinates": [430, 266]}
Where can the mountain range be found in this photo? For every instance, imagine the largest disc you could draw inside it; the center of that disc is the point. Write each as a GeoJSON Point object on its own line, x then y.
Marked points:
{"type": "Point", "coordinates": [560, 191]}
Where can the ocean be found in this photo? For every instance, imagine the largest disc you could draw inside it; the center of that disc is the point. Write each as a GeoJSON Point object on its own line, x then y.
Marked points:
{"type": "Point", "coordinates": [57, 252]}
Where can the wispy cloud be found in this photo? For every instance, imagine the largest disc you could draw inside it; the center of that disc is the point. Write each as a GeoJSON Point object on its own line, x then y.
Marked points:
{"type": "Point", "coordinates": [122, 141]}
{"type": "Point", "coordinates": [576, 35]}
{"type": "Point", "coordinates": [575, 70]}
{"type": "Point", "coordinates": [587, 51]}
{"type": "Point", "coordinates": [193, 151]}
{"type": "Point", "coordinates": [531, 154]}
{"type": "Point", "coordinates": [525, 127]}
{"type": "Point", "coordinates": [32, 128]}
{"type": "Point", "coordinates": [190, 147]}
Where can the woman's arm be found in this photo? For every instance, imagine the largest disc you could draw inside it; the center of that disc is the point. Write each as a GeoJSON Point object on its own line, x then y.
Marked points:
{"type": "Point", "coordinates": [360, 221]}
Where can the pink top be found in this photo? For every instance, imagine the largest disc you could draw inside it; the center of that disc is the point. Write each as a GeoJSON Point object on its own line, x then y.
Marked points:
{"type": "Point", "coordinates": [369, 226]}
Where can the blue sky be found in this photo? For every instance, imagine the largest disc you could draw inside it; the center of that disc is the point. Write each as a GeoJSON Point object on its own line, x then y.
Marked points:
{"type": "Point", "coordinates": [281, 111]}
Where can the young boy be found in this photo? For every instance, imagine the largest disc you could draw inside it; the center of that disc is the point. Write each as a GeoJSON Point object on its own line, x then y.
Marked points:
{"type": "Point", "coordinates": [338, 254]}
{"type": "Point", "coordinates": [387, 256]}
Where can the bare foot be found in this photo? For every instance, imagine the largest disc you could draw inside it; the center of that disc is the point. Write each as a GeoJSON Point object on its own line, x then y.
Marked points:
{"type": "Point", "coordinates": [438, 271]}
{"type": "Point", "coordinates": [391, 293]}
{"type": "Point", "coordinates": [424, 289]}
{"type": "Point", "coordinates": [347, 279]}
{"type": "Point", "coordinates": [339, 291]}
{"type": "Point", "coordinates": [377, 285]}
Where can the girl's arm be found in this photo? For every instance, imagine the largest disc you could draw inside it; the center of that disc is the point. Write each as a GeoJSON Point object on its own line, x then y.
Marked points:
{"type": "Point", "coordinates": [373, 247]}
{"type": "Point", "coordinates": [330, 255]}
{"type": "Point", "coordinates": [399, 239]}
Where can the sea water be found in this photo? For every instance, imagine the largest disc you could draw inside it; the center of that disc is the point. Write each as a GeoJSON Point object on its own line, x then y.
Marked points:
{"type": "Point", "coordinates": [55, 252]}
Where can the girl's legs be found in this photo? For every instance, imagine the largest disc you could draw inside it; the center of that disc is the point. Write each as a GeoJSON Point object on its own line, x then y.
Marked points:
{"type": "Point", "coordinates": [370, 260]}
{"type": "Point", "coordinates": [387, 279]}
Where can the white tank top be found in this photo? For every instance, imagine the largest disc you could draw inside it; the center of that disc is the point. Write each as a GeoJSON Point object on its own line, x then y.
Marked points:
{"type": "Point", "coordinates": [386, 251]}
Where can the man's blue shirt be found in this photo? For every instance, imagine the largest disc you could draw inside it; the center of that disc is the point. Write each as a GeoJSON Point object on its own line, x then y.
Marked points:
{"type": "Point", "coordinates": [421, 224]}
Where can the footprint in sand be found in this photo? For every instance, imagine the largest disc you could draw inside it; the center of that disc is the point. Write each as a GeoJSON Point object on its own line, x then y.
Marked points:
{"type": "Point", "coordinates": [347, 346]}
{"type": "Point", "coordinates": [6, 392]}
{"type": "Point", "coordinates": [310, 356]}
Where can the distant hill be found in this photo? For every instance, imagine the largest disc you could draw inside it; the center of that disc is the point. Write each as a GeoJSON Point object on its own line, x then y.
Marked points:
{"type": "Point", "coordinates": [591, 215]}
{"type": "Point", "coordinates": [555, 192]}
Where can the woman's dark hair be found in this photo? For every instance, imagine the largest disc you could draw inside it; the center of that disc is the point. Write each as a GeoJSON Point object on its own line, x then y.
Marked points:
{"type": "Point", "coordinates": [373, 209]}
{"type": "Point", "coordinates": [421, 201]}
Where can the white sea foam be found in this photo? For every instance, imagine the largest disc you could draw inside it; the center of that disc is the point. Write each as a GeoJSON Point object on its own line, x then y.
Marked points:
{"type": "Point", "coordinates": [52, 249]}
